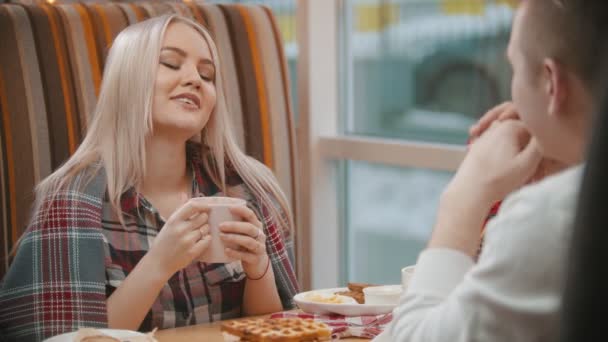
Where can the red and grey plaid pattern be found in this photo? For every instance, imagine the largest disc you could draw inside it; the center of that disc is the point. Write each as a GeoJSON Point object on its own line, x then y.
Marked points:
{"type": "Point", "coordinates": [201, 292]}
{"type": "Point", "coordinates": [342, 326]}
{"type": "Point", "coordinates": [72, 259]}
{"type": "Point", "coordinates": [56, 282]}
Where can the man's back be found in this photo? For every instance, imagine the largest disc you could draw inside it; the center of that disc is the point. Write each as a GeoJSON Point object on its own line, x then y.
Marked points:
{"type": "Point", "coordinates": [514, 291]}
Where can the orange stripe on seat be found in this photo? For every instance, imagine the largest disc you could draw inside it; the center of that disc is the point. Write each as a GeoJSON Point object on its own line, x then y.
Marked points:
{"type": "Point", "coordinates": [196, 13]}
{"type": "Point", "coordinates": [138, 12]}
{"type": "Point", "coordinates": [106, 24]}
{"type": "Point", "coordinates": [61, 61]}
{"type": "Point", "coordinates": [87, 25]}
{"type": "Point", "coordinates": [288, 106]}
{"type": "Point", "coordinates": [9, 158]}
{"type": "Point", "coordinates": [260, 82]}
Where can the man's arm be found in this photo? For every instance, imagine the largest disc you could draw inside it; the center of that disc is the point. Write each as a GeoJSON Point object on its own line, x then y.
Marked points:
{"type": "Point", "coordinates": [499, 162]}
{"type": "Point", "coordinates": [511, 294]}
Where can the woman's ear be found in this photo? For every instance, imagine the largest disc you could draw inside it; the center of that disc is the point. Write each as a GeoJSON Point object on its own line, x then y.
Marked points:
{"type": "Point", "coordinates": [555, 85]}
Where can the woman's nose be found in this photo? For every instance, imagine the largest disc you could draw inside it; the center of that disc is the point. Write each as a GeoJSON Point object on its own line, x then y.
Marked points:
{"type": "Point", "coordinates": [192, 77]}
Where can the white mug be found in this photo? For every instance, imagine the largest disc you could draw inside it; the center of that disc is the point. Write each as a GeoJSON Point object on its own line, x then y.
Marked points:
{"type": "Point", "coordinates": [219, 213]}
{"type": "Point", "coordinates": [406, 275]}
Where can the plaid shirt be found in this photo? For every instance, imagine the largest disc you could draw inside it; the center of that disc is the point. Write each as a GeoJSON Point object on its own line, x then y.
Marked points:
{"type": "Point", "coordinates": [72, 259]}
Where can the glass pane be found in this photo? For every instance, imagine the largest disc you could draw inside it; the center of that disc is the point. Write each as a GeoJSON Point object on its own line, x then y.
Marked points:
{"type": "Point", "coordinates": [390, 214]}
{"type": "Point", "coordinates": [424, 69]}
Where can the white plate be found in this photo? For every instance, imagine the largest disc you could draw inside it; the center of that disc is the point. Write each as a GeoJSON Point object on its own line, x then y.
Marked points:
{"type": "Point", "coordinates": [116, 333]}
{"type": "Point", "coordinates": [342, 309]}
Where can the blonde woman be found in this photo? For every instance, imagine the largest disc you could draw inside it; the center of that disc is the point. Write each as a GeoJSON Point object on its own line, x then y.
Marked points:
{"type": "Point", "coordinates": [116, 232]}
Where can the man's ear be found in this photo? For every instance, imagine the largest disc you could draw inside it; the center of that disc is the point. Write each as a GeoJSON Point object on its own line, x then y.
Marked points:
{"type": "Point", "coordinates": [554, 80]}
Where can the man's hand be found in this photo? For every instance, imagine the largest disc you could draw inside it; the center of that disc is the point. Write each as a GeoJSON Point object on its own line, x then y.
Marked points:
{"type": "Point", "coordinates": [502, 112]}
{"type": "Point", "coordinates": [502, 160]}
{"type": "Point", "coordinates": [507, 111]}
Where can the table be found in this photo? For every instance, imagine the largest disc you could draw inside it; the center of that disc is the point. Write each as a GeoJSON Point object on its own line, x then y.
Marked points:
{"type": "Point", "coordinates": [203, 332]}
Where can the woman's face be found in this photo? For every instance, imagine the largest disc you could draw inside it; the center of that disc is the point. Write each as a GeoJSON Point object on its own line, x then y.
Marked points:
{"type": "Point", "coordinates": [184, 92]}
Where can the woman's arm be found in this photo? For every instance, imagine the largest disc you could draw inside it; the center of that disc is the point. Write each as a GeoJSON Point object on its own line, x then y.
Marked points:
{"type": "Point", "coordinates": [183, 238]}
{"type": "Point", "coordinates": [265, 261]}
{"type": "Point", "coordinates": [131, 301]}
{"type": "Point", "coordinates": [257, 283]}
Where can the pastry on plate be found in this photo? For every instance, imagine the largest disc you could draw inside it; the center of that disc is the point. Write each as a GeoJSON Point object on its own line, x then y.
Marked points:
{"type": "Point", "coordinates": [355, 290]}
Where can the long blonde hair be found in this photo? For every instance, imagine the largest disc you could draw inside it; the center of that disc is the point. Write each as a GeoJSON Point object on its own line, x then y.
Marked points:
{"type": "Point", "coordinates": [116, 141]}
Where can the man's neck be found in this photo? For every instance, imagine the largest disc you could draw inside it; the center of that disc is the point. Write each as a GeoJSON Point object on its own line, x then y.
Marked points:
{"type": "Point", "coordinates": [578, 125]}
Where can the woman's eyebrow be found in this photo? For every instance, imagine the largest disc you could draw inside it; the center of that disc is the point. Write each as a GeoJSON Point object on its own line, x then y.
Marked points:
{"type": "Point", "coordinates": [174, 49]}
{"type": "Point", "coordinates": [183, 54]}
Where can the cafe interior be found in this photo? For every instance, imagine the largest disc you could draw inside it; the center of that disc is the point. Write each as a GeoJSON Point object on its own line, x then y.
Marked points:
{"type": "Point", "coordinates": [362, 111]}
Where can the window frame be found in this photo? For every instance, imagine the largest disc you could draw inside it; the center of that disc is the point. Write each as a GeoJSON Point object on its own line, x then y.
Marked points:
{"type": "Point", "coordinates": [322, 145]}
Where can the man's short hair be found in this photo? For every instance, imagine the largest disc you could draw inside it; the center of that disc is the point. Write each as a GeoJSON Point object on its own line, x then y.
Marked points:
{"type": "Point", "coordinates": [573, 32]}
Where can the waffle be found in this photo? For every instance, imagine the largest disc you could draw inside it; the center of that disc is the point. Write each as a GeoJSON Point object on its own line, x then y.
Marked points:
{"type": "Point", "coordinates": [280, 330]}
{"type": "Point", "coordinates": [355, 290]}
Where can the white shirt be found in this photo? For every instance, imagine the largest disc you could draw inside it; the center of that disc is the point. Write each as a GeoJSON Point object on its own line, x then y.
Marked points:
{"type": "Point", "coordinates": [514, 291]}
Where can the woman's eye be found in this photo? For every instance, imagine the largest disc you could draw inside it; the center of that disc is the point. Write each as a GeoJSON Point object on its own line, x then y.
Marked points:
{"type": "Point", "coordinates": [170, 66]}
{"type": "Point", "coordinates": [206, 77]}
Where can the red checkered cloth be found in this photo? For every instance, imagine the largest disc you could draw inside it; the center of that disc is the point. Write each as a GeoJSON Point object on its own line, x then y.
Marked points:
{"type": "Point", "coordinates": [342, 326]}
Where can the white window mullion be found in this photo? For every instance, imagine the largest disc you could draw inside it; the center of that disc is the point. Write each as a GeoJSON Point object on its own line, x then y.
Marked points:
{"type": "Point", "coordinates": [392, 152]}
{"type": "Point", "coordinates": [318, 238]}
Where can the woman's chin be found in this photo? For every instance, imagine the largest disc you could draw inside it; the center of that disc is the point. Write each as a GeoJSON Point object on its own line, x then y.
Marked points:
{"type": "Point", "coordinates": [184, 130]}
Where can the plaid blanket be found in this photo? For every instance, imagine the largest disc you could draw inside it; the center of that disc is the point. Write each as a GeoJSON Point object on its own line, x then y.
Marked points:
{"type": "Point", "coordinates": [342, 326]}
{"type": "Point", "coordinates": [57, 280]}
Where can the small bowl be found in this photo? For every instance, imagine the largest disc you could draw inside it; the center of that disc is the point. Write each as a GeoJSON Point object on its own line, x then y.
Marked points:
{"type": "Point", "coordinates": [382, 295]}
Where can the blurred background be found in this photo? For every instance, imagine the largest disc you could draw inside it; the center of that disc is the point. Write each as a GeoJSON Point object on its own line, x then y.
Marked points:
{"type": "Point", "coordinates": [411, 72]}
{"type": "Point", "coordinates": [414, 70]}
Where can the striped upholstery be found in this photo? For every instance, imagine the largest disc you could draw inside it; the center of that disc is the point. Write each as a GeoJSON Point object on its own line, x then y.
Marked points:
{"type": "Point", "coordinates": [51, 64]}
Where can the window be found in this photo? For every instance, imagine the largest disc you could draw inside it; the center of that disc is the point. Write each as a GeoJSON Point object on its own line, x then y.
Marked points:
{"type": "Point", "coordinates": [424, 69]}
{"type": "Point", "coordinates": [386, 91]}
{"type": "Point", "coordinates": [417, 71]}
{"type": "Point", "coordinates": [390, 212]}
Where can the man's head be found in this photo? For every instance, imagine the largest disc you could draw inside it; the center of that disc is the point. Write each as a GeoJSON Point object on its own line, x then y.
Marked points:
{"type": "Point", "coordinates": [556, 51]}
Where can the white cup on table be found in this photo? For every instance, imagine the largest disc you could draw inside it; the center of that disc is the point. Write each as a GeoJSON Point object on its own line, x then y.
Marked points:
{"type": "Point", "coordinates": [406, 275]}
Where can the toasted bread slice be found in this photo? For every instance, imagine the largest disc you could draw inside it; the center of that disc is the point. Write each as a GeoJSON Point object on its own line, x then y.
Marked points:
{"type": "Point", "coordinates": [358, 287]}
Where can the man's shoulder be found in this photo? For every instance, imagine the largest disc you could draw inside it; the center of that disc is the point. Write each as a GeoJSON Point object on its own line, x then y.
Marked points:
{"type": "Point", "coordinates": [538, 214]}
{"type": "Point", "coordinates": [557, 191]}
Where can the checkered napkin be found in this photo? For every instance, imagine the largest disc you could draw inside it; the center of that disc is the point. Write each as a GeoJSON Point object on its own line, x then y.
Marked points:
{"type": "Point", "coordinates": [342, 327]}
